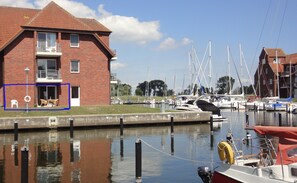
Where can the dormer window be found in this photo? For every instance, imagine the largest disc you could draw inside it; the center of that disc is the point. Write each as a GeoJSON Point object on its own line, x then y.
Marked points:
{"type": "Point", "coordinates": [74, 40]}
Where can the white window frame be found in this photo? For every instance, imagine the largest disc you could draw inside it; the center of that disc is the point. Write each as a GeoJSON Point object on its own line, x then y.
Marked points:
{"type": "Point", "coordinates": [50, 40]}
{"type": "Point", "coordinates": [71, 43]}
{"type": "Point", "coordinates": [78, 66]}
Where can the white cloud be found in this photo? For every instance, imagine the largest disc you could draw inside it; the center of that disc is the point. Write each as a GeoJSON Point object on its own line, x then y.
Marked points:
{"type": "Point", "coordinates": [186, 41]}
{"type": "Point", "coordinates": [170, 43]}
{"type": "Point", "coordinates": [117, 65]}
{"type": "Point", "coordinates": [17, 3]}
{"type": "Point", "coordinates": [75, 8]}
{"type": "Point", "coordinates": [167, 44]}
{"type": "Point", "coordinates": [124, 28]}
{"type": "Point", "coordinates": [130, 29]}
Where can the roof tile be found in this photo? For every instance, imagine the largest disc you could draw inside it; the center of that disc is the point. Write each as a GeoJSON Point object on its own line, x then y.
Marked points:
{"type": "Point", "coordinates": [13, 20]}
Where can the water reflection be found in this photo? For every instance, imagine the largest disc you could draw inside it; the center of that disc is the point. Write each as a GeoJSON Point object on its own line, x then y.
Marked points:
{"type": "Point", "coordinates": [102, 155]}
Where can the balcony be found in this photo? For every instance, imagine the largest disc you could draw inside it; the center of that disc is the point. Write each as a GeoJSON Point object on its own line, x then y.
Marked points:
{"type": "Point", "coordinates": [48, 76]}
{"type": "Point", "coordinates": [42, 50]}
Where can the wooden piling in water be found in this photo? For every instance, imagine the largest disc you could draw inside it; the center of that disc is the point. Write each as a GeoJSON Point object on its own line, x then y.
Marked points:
{"type": "Point", "coordinates": [172, 125]}
{"type": "Point", "coordinates": [16, 131]}
{"type": "Point", "coordinates": [71, 128]}
{"type": "Point", "coordinates": [138, 160]}
{"type": "Point", "coordinates": [121, 128]}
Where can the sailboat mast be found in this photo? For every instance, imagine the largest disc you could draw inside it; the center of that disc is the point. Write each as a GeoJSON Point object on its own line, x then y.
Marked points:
{"type": "Point", "coordinates": [290, 78]}
{"type": "Point", "coordinates": [209, 65]}
{"type": "Point", "coordinates": [228, 51]}
{"type": "Point", "coordinates": [277, 79]}
{"type": "Point", "coordinates": [241, 73]}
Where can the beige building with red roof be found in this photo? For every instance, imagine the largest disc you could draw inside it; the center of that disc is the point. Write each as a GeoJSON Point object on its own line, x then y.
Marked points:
{"type": "Point", "coordinates": [270, 84]}
{"type": "Point", "coordinates": [57, 48]}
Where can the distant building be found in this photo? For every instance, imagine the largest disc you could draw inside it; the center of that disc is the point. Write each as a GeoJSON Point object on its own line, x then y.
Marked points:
{"type": "Point", "coordinates": [271, 62]}
{"type": "Point", "coordinates": [57, 48]}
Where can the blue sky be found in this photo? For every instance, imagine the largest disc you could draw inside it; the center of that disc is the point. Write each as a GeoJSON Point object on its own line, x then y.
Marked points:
{"type": "Point", "coordinates": [153, 38]}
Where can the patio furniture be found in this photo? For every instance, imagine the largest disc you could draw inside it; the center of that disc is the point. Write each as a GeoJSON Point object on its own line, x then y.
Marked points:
{"type": "Point", "coordinates": [54, 102]}
{"type": "Point", "coordinates": [43, 102]}
{"type": "Point", "coordinates": [14, 103]}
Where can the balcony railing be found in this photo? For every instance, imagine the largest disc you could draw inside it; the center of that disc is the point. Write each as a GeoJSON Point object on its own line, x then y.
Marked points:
{"type": "Point", "coordinates": [42, 50]}
{"type": "Point", "coordinates": [49, 75]}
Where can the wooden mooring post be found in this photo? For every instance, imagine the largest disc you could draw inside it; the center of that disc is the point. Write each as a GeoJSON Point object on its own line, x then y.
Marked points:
{"type": "Point", "coordinates": [138, 160]}
{"type": "Point", "coordinates": [16, 131]}
{"type": "Point", "coordinates": [71, 128]}
{"type": "Point", "coordinates": [211, 131]}
{"type": "Point", "coordinates": [121, 128]}
{"type": "Point", "coordinates": [172, 125]}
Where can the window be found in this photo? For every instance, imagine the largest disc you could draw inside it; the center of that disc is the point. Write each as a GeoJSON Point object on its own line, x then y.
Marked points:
{"type": "Point", "coordinates": [74, 92]}
{"type": "Point", "coordinates": [74, 67]}
{"type": "Point", "coordinates": [270, 81]}
{"type": "Point", "coordinates": [74, 40]}
{"type": "Point", "coordinates": [47, 68]}
{"type": "Point", "coordinates": [266, 70]}
{"type": "Point", "coordinates": [46, 42]}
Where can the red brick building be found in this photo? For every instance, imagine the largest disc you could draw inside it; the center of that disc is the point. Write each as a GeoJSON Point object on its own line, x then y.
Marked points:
{"type": "Point", "coordinates": [57, 48]}
{"type": "Point", "coordinates": [270, 84]}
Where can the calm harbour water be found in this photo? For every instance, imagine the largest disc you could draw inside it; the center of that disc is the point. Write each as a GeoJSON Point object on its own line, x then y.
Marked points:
{"type": "Point", "coordinates": [100, 155]}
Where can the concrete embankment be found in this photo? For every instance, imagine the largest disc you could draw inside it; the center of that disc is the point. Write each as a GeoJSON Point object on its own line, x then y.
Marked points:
{"type": "Point", "coordinates": [57, 122]}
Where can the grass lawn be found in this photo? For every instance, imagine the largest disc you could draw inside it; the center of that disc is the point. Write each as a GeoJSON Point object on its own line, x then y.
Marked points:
{"type": "Point", "coordinates": [84, 110]}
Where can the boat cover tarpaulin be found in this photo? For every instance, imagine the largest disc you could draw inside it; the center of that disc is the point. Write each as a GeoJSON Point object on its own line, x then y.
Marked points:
{"type": "Point", "coordinates": [287, 147]}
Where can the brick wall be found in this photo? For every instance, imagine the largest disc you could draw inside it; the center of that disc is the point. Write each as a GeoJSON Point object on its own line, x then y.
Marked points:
{"type": "Point", "coordinates": [93, 79]}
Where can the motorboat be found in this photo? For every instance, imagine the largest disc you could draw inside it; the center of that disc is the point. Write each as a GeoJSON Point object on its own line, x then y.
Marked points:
{"type": "Point", "coordinates": [190, 105]}
{"type": "Point", "coordinates": [207, 106]}
{"type": "Point", "coordinates": [280, 105]}
{"type": "Point", "coordinates": [183, 99]}
{"type": "Point", "coordinates": [229, 102]}
{"type": "Point", "coordinates": [268, 166]}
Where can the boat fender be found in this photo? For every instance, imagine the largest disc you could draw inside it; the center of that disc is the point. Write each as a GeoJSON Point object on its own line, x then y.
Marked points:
{"type": "Point", "coordinates": [205, 173]}
{"type": "Point", "coordinates": [229, 137]}
{"type": "Point", "coordinates": [225, 152]}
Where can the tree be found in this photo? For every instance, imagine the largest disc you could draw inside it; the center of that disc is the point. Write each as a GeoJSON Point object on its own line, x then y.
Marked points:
{"type": "Point", "coordinates": [154, 87]}
{"type": "Point", "coordinates": [120, 89]}
{"type": "Point", "coordinates": [170, 92]}
{"type": "Point", "coordinates": [138, 92]}
{"type": "Point", "coordinates": [125, 89]}
{"type": "Point", "coordinates": [158, 87]}
{"type": "Point", "coordinates": [248, 89]}
{"type": "Point", "coordinates": [223, 85]}
{"type": "Point", "coordinates": [145, 88]}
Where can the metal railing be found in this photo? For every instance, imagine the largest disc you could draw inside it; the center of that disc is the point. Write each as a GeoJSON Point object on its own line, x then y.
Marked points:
{"type": "Point", "coordinates": [49, 74]}
{"type": "Point", "coordinates": [44, 48]}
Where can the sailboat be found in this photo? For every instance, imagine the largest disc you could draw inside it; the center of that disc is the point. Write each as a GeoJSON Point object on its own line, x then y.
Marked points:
{"type": "Point", "coordinates": [228, 100]}
{"type": "Point", "coordinates": [269, 166]}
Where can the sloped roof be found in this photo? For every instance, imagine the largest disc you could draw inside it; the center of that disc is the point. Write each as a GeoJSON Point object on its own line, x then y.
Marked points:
{"type": "Point", "coordinates": [274, 67]}
{"type": "Point", "coordinates": [11, 20]}
{"type": "Point", "coordinates": [94, 24]}
{"type": "Point", "coordinates": [271, 52]}
{"type": "Point", "coordinates": [55, 16]}
{"type": "Point", "coordinates": [14, 20]}
{"type": "Point", "coordinates": [292, 58]}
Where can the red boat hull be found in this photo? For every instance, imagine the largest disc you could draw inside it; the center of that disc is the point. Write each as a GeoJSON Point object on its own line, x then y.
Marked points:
{"type": "Point", "coordinates": [221, 178]}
